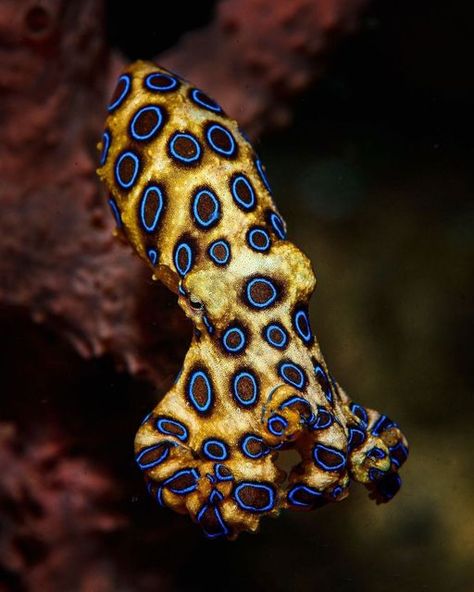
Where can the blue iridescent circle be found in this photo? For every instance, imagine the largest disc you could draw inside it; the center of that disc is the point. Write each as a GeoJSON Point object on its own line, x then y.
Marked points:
{"type": "Point", "coordinates": [278, 226]}
{"type": "Point", "coordinates": [127, 80]}
{"type": "Point", "coordinates": [152, 200]}
{"type": "Point", "coordinates": [168, 483]}
{"type": "Point", "coordinates": [136, 164]}
{"type": "Point", "coordinates": [283, 369]}
{"type": "Point", "coordinates": [261, 246]}
{"type": "Point", "coordinates": [302, 326]}
{"type": "Point", "coordinates": [115, 212]}
{"type": "Point", "coordinates": [212, 252]}
{"type": "Point", "coordinates": [105, 147]}
{"type": "Point", "coordinates": [277, 425]}
{"type": "Point", "coordinates": [202, 407]}
{"type": "Point", "coordinates": [201, 99]}
{"type": "Point", "coordinates": [268, 283]}
{"type": "Point", "coordinates": [306, 490]}
{"type": "Point", "coordinates": [159, 122]}
{"type": "Point", "coordinates": [183, 270]}
{"type": "Point", "coordinates": [152, 256]}
{"type": "Point", "coordinates": [165, 446]}
{"type": "Point", "coordinates": [215, 215]}
{"type": "Point", "coordinates": [240, 181]}
{"type": "Point", "coordinates": [261, 172]}
{"type": "Point", "coordinates": [324, 419]}
{"type": "Point", "coordinates": [323, 381]}
{"type": "Point", "coordinates": [360, 412]}
{"type": "Point", "coordinates": [165, 426]}
{"type": "Point", "coordinates": [234, 349]}
{"type": "Point", "coordinates": [255, 486]}
{"type": "Point", "coordinates": [246, 443]}
{"type": "Point", "coordinates": [337, 462]}
{"type": "Point", "coordinates": [281, 341]}
{"type": "Point", "coordinates": [235, 388]}
{"type": "Point", "coordinates": [223, 451]}
{"type": "Point", "coordinates": [232, 145]}
{"type": "Point", "coordinates": [222, 530]}
{"type": "Point", "coordinates": [185, 159]}
{"type": "Point", "coordinates": [159, 82]}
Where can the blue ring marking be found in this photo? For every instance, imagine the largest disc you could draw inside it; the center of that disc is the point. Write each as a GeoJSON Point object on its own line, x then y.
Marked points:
{"type": "Point", "coordinates": [208, 325]}
{"type": "Point", "coordinates": [159, 122]}
{"type": "Point", "coordinates": [236, 348]}
{"type": "Point", "coordinates": [202, 408]}
{"type": "Point", "coordinates": [360, 412]}
{"type": "Point", "coordinates": [336, 491]}
{"type": "Point", "coordinates": [382, 424]}
{"type": "Point", "coordinates": [230, 151]}
{"type": "Point", "coordinates": [212, 535]}
{"type": "Point", "coordinates": [152, 191]}
{"type": "Point", "coordinates": [281, 426]}
{"type": "Point", "coordinates": [341, 458]}
{"type": "Point", "coordinates": [324, 419]}
{"type": "Point", "coordinates": [189, 262]}
{"type": "Point", "coordinates": [246, 450]}
{"type": "Point", "coordinates": [396, 458]}
{"type": "Point", "coordinates": [376, 474]}
{"type": "Point", "coordinates": [172, 82]}
{"type": "Point", "coordinates": [123, 94]}
{"type": "Point", "coordinates": [292, 400]}
{"type": "Point", "coordinates": [220, 477]}
{"type": "Point", "coordinates": [214, 257]}
{"type": "Point", "coordinates": [235, 382]}
{"type": "Point", "coordinates": [179, 474]}
{"type": "Point", "coordinates": [319, 372]}
{"type": "Point", "coordinates": [183, 436]}
{"type": "Point", "coordinates": [147, 417]}
{"type": "Point", "coordinates": [290, 366]}
{"type": "Point", "coordinates": [215, 497]}
{"type": "Point", "coordinates": [152, 256]}
{"type": "Point", "coordinates": [254, 485]}
{"type": "Point", "coordinates": [303, 331]}
{"type": "Point", "coordinates": [105, 147]}
{"type": "Point", "coordinates": [294, 491]}
{"type": "Point", "coordinates": [185, 159]}
{"type": "Point", "coordinates": [224, 451]}
{"type": "Point", "coordinates": [356, 438]}
{"type": "Point", "coordinates": [261, 172]}
{"type": "Point", "coordinates": [181, 290]}
{"type": "Point", "coordinates": [278, 225]}
{"type": "Point", "coordinates": [136, 162]}
{"type": "Point", "coordinates": [281, 331]}
{"type": "Point", "coordinates": [238, 179]}
{"type": "Point", "coordinates": [197, 96]}
{"type": "Point", "coordinates": [376, 452]}
{"type": "Point", "coordinates": [216, 212]}
{"type": "Point", "coordinates": [166, 451]}
{"type": "Point", "coordinates": [159, 497]}
{"type": "Point", "coordinates": [115, 212]}
{"type": "Point", "coordinates": [268, 302]}
{"type": "Point", "coordinates": [251, 239]}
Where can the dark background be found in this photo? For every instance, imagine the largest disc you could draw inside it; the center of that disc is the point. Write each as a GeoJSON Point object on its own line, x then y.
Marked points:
{"type": "Point", "coordinates": [374, 178]}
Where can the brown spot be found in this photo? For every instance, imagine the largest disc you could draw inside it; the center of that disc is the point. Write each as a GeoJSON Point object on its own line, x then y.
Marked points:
{"type": "Point", "coordinates": [255, 447]}
{"type": "Point", "coordinates": [221, 139]}
{"type": "Point", "coordinates": [172, 428]}
{"type": "Point", "coordinates": [127, 169]}
{"type": "Point", "coordinates": [206, 207]}
{"type": "Point", "coordinates": [185, 147]}
{"type": "Point", "coordinates": [145, 122]}
{"type": "Point", "coordinates": [154, 454]}
{"type": "Point", "coordinates": [200, 391]}
{"type": "Point", "coordinates": [183, 481]}
{"type": "Point", "coordinates": [255, 497]}
{"type": "Point", "coordinates": [245, 388]}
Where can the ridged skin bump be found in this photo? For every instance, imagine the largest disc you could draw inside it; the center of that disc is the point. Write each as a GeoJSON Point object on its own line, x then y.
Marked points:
{"type": "Point", "coordinates": [191, 196]}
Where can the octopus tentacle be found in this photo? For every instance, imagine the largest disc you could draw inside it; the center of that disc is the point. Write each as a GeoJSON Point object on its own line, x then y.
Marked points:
{"type": "Point", "coordinates": [190, 194]}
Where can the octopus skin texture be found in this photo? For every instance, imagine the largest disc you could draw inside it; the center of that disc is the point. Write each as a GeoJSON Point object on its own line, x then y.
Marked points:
{"type": "Point", "coordinates": [191, 196]}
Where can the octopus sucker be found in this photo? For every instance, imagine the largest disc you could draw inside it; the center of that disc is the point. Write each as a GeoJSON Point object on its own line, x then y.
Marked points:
{"type": "Point", "coordinates": [192, 197]}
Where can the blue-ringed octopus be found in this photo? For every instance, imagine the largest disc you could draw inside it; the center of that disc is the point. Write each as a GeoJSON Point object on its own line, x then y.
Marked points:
{"type": "Point", "coordinates": [191, 196]}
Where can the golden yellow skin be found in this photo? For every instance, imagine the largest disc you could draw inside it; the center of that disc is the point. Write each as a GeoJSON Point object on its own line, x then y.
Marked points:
{"type": "Point", "coordinates": [191, 197]}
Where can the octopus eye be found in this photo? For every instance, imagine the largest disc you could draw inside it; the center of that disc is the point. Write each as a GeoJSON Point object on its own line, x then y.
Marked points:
{"type": "Point", "coordinates": [195, 303]}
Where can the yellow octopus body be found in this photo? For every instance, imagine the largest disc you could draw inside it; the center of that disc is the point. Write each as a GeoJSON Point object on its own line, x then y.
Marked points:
{"type": "Point", "coordinates": [191, 196]}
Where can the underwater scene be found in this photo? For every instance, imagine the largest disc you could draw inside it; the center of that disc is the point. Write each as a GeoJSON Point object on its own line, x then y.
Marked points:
{"type": "Point", "coordinates": [236, 263]}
